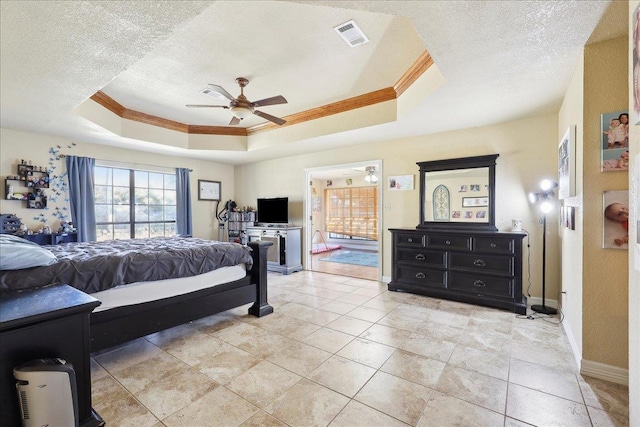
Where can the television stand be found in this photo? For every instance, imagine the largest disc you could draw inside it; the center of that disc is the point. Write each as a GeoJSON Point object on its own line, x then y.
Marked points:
{"type": "Point", "coordinates": [285, 256]}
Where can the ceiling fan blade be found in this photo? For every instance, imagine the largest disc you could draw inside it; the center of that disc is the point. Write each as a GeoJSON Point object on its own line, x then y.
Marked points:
{"type": "Point", "coordinates": [269, 117]}
{"type": "Point", "coordinates": [221, 91]}
{"type": "Point", "coordinates": [234, 121]}
{"type": "Point", "coordinates": [206, 106]}
{"type": "Point", "coordinates": [274, 100]}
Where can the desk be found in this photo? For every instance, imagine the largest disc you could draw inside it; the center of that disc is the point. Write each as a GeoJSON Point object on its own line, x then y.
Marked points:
{"type": "Point", "coordinates": [47, 322]}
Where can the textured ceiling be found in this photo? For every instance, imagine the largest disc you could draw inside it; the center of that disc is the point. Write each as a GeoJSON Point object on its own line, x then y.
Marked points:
{"type": "Point", "coordinates": [500, 60]}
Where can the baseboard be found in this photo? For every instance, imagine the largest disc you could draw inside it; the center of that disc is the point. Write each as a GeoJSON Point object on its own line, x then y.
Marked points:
{"type": "Point", "coordinates": [577, 354]}
{"type": "Point", "coordinates": [386, 279]}
{"type": "Point", "coordinates": [538, 301]}
{"type": "Point", "coordinates": [604, 372]}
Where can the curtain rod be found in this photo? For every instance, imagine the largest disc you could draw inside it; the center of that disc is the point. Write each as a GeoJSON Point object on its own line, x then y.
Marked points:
{"type": "Point", "coordinates": [116, 161]}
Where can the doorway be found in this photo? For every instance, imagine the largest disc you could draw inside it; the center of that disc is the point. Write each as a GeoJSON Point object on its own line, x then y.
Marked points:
{"type": "Point", "coordinates": [343, 206]}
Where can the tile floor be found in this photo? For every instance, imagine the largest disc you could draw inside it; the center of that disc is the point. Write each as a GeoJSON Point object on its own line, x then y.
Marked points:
{"type": "Point", "coordinates": [341, 351]}
{"type": "Point", "coordinates": [359, 271]}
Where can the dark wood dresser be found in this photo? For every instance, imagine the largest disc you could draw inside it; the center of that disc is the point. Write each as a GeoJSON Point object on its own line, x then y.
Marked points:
{"type": "Point", "coordinates": [478, 267]}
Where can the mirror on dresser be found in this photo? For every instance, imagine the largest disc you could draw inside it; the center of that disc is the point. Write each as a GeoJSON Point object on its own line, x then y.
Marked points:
{"type": "Point", "coordinates": [458, 193]}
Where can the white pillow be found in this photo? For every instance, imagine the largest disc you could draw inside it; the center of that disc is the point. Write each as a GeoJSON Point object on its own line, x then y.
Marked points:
{"type": "Point", "coordinates": [17, 253]}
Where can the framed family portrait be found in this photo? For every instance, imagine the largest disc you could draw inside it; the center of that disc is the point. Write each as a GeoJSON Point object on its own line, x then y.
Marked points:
{"type": "Point", "coordinates": [474, 202]}
{"type": "Point", "coordinates": [209, 190]}
{"type": "Point", "coordinates": [615, 141]}
{"type": "Point", "coordinates": [615, 218]}
{"type": "Point", "coordinates": [567, 164]}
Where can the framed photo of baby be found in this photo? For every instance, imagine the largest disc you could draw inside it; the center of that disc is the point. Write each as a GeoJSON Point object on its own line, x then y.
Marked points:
{"type": "Point", "coordinates": [615, 141]}
{"type": "Point", "coordinates": [615, 217]}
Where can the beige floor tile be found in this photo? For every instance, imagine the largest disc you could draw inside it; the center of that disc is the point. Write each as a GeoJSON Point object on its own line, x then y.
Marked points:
{"type": "Point", "coordinates": [483, 325]}
{"type": "Point", "coordinates": [355, 414]}
{"type": "Point", "coordinates": [413, 367]}
{"type": "Point", "coordinates": [299, 358]}
{"type": "Point", "coordinates": [600, 418]}
{"type": "Point", "coordinates": [448, 411]}
{"type": "Point", "coordinates": [472, 387]}
{"type": "Point", "coordinates": [128, 412]}
{"type": "Point", "coordinates": [367, 313]}
{"type": "Point", "coordinates": [97, 371]}
{"type": "Point", "coordinates": [166, 396]}
{"type": "Point", "coordinates": [385, 335]}
{"type": "Point", "coordinates": [211, 324]}
{"type": "Point", "coordinates": [328, 339]}
{"type": "Point", "coordinates": [556, 357]}
{"type": "Point", "coordinates": [228, 364]}
{"type": "Point", "coordinates": [434, 349]}
{"type": "Point", "coordinates": [338, 307]}
{"type": "Point", "coordinates": [293, 328]}
{"type": "Point", "coordinates": [319, 317]}
{"type": "Point", "coordinates": [216, 408]}
{"type": "Point", "coordinates": [400, 322]}
{"type": "Point", "coordinates": [488, 341]}
{"type": "Point", "coordinates": [263, 383]}
{"type": "Point", "coordinates": [396, 397]}
{"type": "Point", "coordinates": [262, 419]}
{"type": "Point", "coordinates": [438, 331]}
{"type": "Point", "coordinates": [294, 309]}
{"type": "Point", "coordinates": [238, 333]}
{"type": "Point", "coordinates": [342, 375]}
{"type": "Point", "coordinates": [307, 404]}
{"type": "Point", "coordinates": [410, 310]}
{"type": "Point", "coordinates": [106, 391]}
{"type": "Point", "coordinates": [137, 377]}
{"type": "Point", "coordinates": [349, 325]}
{"type": "Point", "coordinates": [605, 395]}
{"type": "Point", "coordinates": [543, 409]}
{"type": "Point", "coordinates": [354, 298]}
{"type": "Point", "coordinates": [485, 362]}
{"type": "Point", "coordinates": [381, 304]}
{"type": "Point", "coordinates": [510, 422]}
{"type": "Point", "coordinates": [449, 318]}
{"type": "Point", "coordinates": [553, 381]}
{"type": "Point", "coordinates": [266, 344]}
{"type": "Point", "coordinates": [367, 352]}
{"type": "Point", "coordinates": [200, 350]}
{"type": "Point", "coordinates": [129, 354]}
{"type": "Point", "coordinates": [176, 336]}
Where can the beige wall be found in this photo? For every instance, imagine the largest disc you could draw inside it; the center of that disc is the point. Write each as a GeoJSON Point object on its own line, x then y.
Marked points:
{"type": "Point", "coordinates": [28, 146]}
{"type": "Point", "coordinates": [571, 113]}
{"type": "Point", "coordinates": [605, 271]}
{"type": "Point", "coordinates": [517, 142]}
{"type": "Point", "coordinates": [634, 258]}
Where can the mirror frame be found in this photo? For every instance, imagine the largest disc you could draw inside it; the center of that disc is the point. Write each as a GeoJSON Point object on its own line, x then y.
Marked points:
{"type": "Point", "coordinates": [488, 161]}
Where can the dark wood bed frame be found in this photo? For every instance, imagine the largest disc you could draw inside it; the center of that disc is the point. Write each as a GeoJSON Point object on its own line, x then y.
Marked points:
{"type": "Point", "coordinates": [119, 325]}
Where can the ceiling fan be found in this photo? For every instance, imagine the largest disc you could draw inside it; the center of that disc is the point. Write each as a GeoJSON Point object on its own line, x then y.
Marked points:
{"type": "Point", "coordinates": [241, 107]}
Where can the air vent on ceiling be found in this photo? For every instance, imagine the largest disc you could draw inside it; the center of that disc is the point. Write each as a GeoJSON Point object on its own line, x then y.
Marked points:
{"type": "Point", "coordinates": [213, 93]}
{"type": "Point", "coordinates": [351, 33]}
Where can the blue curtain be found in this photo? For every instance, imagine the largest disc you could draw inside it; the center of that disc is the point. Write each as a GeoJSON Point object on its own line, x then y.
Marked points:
{"type": "Point", "coordinates": [184, 224]}
{"type": "Point", "coordinates": [83, 212]}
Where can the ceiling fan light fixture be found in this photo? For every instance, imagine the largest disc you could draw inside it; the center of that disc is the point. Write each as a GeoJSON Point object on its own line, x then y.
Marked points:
{"type": "Point", "coordinates": [371, 174]}
{"type": "Point", "coordinates": [241, 112]}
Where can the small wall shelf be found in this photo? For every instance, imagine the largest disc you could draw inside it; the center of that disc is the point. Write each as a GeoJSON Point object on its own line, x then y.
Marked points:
{"type": "Point", "coordinates": [28, 186]}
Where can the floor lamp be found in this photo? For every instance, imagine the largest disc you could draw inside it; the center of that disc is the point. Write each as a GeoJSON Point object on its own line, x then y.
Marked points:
{"type": "Point", "coordinates": [544, 199]}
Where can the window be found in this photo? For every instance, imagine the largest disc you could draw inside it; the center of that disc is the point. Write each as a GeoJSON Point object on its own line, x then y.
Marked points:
{"type": "Point", "coordinates": [352, 212]}
{"type": "Point", "coordinates": [134, 204]}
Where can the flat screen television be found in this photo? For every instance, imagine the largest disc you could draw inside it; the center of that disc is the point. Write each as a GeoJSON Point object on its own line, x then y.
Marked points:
{"type": "Point", "coordinates": [273, 211]}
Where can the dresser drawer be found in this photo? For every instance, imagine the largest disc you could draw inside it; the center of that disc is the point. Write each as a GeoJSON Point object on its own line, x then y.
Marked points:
{"type": "Point", "coordinates": [421, 256]}
{"type": "Point", "coordinates": [491, 244]}
{"type": "Point", "coordinates": [482, 262]}
{"type": "Point", "coordinates": [409, 240]}
{"type": "Point", "coordinates": [481, 285]}
{"type": "Point", "coordinates": [449, 242]}
{"type": "Point", "coordinates": [420, 276]}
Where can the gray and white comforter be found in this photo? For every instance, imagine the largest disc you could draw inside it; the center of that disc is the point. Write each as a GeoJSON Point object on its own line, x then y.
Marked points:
{"type": "Point", "coordinates": [97, 266]}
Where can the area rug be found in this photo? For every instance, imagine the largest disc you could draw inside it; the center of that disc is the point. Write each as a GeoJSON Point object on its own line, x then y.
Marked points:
{"type": "Point", "coordinates": [319, 248]}
{"type": "Point", "coordinates": [368, 259]}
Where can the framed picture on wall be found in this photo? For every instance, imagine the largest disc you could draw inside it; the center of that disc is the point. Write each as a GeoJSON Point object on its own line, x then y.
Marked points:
{"type": "Point", "coordinates": [615, 219]}
{"type": "Point", "coordinates": [474, 202]}
{"type": "Point", "coordinates": [567, 164]}
{"type": "Point", "coordinates": [209, 190]}
{"type": "Point", "coordinates": [636, 65]}
{"type": "Point", "coordinates": [615, 141]}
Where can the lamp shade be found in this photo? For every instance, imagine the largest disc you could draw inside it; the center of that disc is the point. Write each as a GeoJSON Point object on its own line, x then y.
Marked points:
{"type": "Point", "coordinates": [241, 112]}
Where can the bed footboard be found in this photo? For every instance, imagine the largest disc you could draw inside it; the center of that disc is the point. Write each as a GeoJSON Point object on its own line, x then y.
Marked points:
{"type": "Point", "coordinates": [119, 325]}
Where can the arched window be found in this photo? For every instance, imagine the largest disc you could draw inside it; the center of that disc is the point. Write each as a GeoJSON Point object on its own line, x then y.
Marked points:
{"type": "Point", "coordinates": [441, 203]}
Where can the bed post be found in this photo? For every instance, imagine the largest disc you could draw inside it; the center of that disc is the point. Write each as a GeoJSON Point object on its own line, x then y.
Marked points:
{"type": "Point", "coordinates": [259, 276]}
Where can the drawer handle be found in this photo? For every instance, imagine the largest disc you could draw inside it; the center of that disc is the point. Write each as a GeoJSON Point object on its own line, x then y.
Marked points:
{"type": "Point", "coordinates": [479, 263]}
{"type": "Point", "coordinates": [493, 245]}
{"type": "Point", "coordinates": [479, 283]}
{"type": "Point", "coordinates": [420, 257]}
{"type": "Point", "coordinates": [420, 275]}
{"type": "Point", "coordinates": [447, 242]}
{"type": "Point", "coordinates": [410, 240]}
